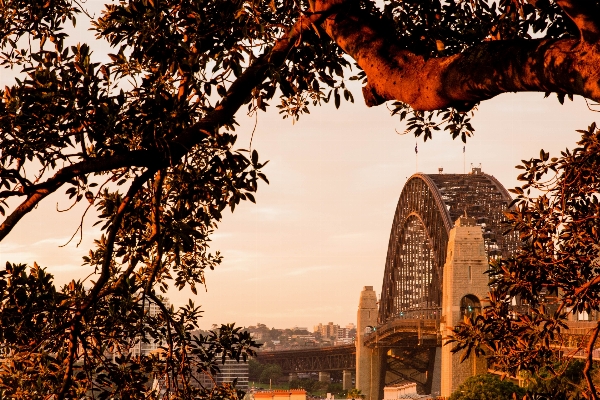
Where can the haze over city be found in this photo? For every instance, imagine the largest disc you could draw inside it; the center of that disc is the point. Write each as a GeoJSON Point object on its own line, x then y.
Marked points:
{"type": "Point", "coordinates": [319, 232]}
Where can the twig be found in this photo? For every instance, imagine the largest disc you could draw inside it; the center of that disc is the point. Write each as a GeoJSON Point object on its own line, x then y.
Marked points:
{"type": "Point", "coordinates": [110, 241]}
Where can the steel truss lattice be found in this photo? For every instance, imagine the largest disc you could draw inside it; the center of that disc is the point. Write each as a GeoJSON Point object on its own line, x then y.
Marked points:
{"type": "Point", "coordinates": [427, 209]}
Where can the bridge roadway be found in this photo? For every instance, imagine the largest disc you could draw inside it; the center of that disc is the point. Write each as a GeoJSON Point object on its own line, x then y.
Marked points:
{"type": "Point", "coordinates": [406, 332]}
{"type": "Point", "coordinates": [315, 359]}
{"type": "Point", "coordinates": [410, 344]}
{"type": "Point", "coordinates": [400, 333]}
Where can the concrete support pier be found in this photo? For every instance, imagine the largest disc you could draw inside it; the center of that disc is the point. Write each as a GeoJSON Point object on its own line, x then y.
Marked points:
{"type": "Point", "coordinates": [465, 285]}
{"type": "Point", "coordinates": [368, 361]}
{"type": "Point", "coordinates": [293, 377]}
{"type": "Point", "coordinates": [324, 377]}
{"type": "Point", "coordinates": [346, 380]}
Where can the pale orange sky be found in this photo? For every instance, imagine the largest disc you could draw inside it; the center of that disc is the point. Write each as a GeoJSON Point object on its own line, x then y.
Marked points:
{"type": "Point", "coordinates": [319, 232]}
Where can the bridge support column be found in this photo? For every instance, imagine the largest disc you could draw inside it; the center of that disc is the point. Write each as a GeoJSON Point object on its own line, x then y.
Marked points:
{"type": "Point", "coordinates": [293, 376]}
{"type": "Point", "coordinates": [368, 361]}
{"type": "Point", "coordinates": [324, 377]}
{"type": "Point", "coordinates": [346, 380]}
{"type": "Point", "coordinates": [465, 285]}
{"type": "Point", "coordinates": [436, 370]}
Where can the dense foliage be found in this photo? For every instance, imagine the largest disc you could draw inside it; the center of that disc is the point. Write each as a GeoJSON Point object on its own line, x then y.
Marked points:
{"type": "Point", "coordinates": [487, 387]}
{"type": "Point", "coordinates": [555, 272]}
{"type": "Point", "coordinates": [263, 373]}
{"type": "Point", "coordinates": [355, 394]}
{"type": "Point", "coordinates": [148, 139]}
{"type": "Point", "coordinates": [567, 385]}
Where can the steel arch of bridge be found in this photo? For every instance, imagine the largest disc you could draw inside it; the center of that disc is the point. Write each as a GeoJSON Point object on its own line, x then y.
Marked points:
{"type": "Point", "coordinates": [426, 211]}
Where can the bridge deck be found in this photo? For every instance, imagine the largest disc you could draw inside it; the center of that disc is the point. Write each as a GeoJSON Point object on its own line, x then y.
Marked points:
{"type": "Point", "coordinates": [406, 333]}
{"type": "Point", "coordinates": [403, 335]}
{"type": "Point", "coordinates": [316, 359]}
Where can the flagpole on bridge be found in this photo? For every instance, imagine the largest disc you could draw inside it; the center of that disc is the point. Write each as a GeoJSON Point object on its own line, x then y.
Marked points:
{"type": "Point", "coordinates": [416, 158]}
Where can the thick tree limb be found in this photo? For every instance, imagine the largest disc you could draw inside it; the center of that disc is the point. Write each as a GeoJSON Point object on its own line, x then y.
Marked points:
{"type": "Point", "coordinates": [479, 73]}
{"type": "Point", "coordinates": [70, 360]}
{"type": "Point", "coordinates": [36, 193]}
{"type": "Point", "coordinates": [586, 15]}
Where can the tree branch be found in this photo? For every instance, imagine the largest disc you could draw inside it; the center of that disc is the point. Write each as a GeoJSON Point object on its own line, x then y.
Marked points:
{"type": "Point", "coordinates": [102, 280]}
{"type": "Point", "coordinates": [585, 287]}
{"type": "Point", "coordinates": [236, 96]}
{"type": "Point", "coordinates": [68, 376]}
{"type": "Point", "coordinates": [479, 73]}
{"type": "Point", "coordinates": [110, 240]}
{"type": "Point", "coordinates": [586, 15]}
{"type": "Point", "coordinates": [36, 193]}
{"type": "Point", "coordinates": [156, 231]}
{"type": "Point", "coordinates": [168, 319]}
{"type": "Point", "coordinates": [589, 362]}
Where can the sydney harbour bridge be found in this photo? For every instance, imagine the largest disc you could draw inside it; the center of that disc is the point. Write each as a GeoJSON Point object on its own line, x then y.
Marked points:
{"type": "Point", "coordinates": [428, 207]}
{"type": "Point", "coordinates": [445, 230]}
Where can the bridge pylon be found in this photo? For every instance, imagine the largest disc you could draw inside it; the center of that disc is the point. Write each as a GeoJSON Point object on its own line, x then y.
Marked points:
{"type": "Point", "coordinates": [368, 360]}
{"type": "Point", "coordinates": [465, 285]}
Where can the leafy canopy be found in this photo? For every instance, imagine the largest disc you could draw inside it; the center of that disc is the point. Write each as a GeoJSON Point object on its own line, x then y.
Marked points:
{"type": "Point", "coordinates": [147, 139]}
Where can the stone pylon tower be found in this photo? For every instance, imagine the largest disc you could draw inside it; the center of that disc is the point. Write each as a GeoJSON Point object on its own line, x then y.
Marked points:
{"type": "Point", "coordinates": [465, 285]}
{"type": "Point", "coordinates": [368, 361]}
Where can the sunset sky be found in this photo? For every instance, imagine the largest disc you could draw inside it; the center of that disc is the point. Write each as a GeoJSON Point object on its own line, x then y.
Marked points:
{"type": "Point", "coordinates": [319, 232]}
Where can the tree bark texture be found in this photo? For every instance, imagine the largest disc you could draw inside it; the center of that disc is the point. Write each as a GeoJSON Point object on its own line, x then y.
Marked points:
{"type": "Point", "coordinates": [570, 65]}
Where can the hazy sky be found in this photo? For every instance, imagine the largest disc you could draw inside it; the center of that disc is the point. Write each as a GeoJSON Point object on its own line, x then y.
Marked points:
{"type": "Point", "coordinates": [319, 232]}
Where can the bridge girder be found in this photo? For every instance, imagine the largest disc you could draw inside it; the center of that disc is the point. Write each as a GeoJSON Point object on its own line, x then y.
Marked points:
{"type": "Point", "coordinates": [320, 359]}
{"type": "Point", "coordinates": [406, 333]}
{"type": "Point", "coordinates": [411, 364]}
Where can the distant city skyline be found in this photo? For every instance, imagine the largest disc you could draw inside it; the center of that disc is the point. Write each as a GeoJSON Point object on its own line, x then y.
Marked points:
{"type": "Point", "coordinates": [319, 232]}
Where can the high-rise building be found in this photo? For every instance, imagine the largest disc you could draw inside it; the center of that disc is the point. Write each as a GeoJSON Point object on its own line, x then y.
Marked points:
{"type": "Point", "coordinates": [229, 372]}
{"type": "Point", "coordinates": [234, 370]}
{"type": "Point", "coordinates": [327, 331]}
